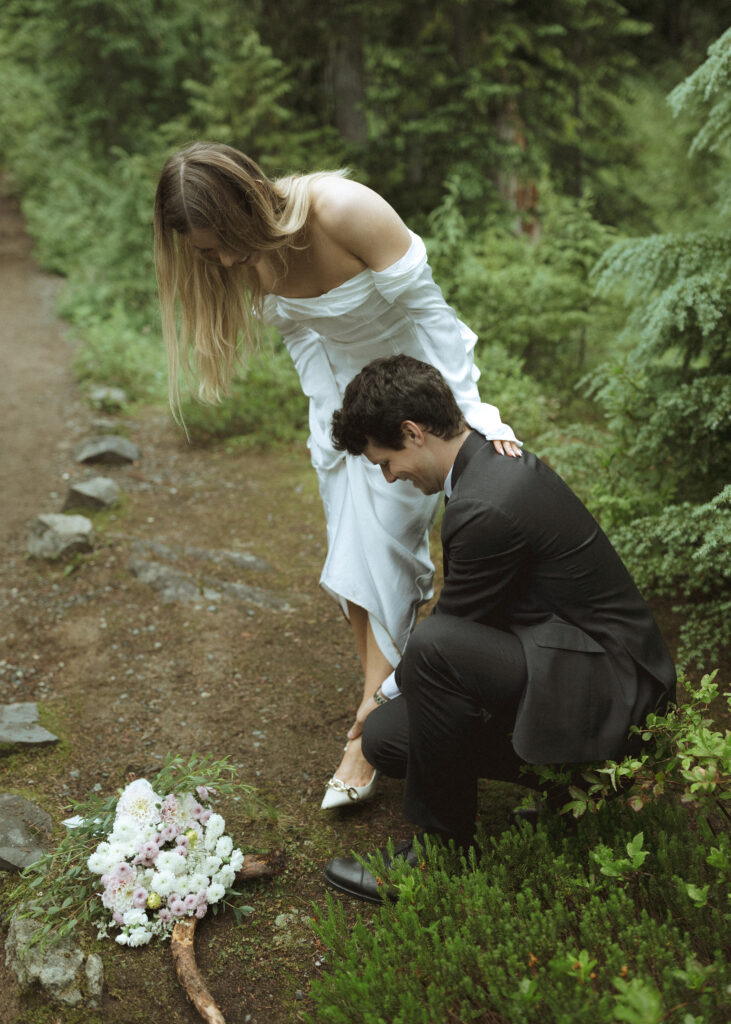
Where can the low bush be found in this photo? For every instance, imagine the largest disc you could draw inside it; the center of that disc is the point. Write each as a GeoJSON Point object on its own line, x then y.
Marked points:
{"type": "Point", "coordinates": [619, 917]}
{"type": "Point", "coordinates": [266, 404]}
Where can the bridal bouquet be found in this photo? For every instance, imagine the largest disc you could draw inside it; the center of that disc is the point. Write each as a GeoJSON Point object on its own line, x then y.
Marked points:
{"type": "Point", "coordinates": [166, 858]}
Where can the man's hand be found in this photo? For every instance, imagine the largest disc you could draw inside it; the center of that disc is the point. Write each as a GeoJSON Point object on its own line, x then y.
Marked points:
{"type": "Point", "coordinates": [508, 448]}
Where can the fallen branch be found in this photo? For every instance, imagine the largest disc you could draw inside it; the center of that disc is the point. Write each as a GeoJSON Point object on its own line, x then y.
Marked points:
{"type": "Point", "coordinates": [183, 949]}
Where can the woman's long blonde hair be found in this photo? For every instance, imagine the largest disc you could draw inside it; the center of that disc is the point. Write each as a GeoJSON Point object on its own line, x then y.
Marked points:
{"type": "Point", "coordinates": [212, 187]}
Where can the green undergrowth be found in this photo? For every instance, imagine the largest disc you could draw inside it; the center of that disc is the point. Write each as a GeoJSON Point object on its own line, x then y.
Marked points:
{"type": "Point", "coordinates": [533, 930]}
{"type": "Point", "coordinates": [615, 913]}
{"type": "Point", "coordinates": [266, 404]}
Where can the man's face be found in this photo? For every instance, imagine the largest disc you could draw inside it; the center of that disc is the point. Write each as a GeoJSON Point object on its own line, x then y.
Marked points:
{"type": "Point", "coordinates": [413, 462]}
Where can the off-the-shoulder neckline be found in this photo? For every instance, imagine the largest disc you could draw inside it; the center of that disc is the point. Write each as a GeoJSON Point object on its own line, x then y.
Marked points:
{"type": "Point", "coordinates": [344, 285]}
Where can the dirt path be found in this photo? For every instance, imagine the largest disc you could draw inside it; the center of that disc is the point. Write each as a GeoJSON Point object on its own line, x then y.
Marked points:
{"type": "Point", "coordinates": [124, 676]}
{"type": "Point", "coordinates": [36, 376]}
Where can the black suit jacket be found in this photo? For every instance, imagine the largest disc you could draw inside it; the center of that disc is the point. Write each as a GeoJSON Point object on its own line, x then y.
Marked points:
{"type": "Point", "coordinates": [522, 553]}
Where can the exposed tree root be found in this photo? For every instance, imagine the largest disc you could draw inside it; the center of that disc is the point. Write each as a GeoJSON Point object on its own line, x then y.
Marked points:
{"type": "Point", "coordinates": [181, 943]}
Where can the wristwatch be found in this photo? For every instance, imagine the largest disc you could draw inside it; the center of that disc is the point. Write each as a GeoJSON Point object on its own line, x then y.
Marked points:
{"type": "Point", "coordinates": [379, 698]}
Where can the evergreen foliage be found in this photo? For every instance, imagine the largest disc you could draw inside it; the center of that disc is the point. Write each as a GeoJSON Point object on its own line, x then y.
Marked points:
{"type": "Point", "coordinates": [621, 918]}
{"type": "Point", "coordinates": [668, 399]}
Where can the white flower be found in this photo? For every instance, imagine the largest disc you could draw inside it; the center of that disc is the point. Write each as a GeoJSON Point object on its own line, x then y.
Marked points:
{"type": "Point", "coordinates": [127, 835]}
{"type": "Point", "coordinates": [214, 828]}
{"type": "Point", "coordinates": [102, 859]}
{"type": "Point", "coordinates": [139, 937]}
{"type": "Point", "coordinates": [224, 846]}
{"type": "Point", "coordinates": [226, 876]}
{"type": "Point", "coordinates": [237, 860]}
{"type": "Point", "coordinates": [169, 861]}
{"type": "Point", "coordinates": [134, 917]}
{"type": "Point", "coordinates": [122, 939]}
{"type": "Point", "coordinates": [212, 864]}
{"type": "Point", "coordinates": [197, 881]}
{"type": "Point", "coordinates": [139, 801]}
{"type": "Point", "coordinates": [162, 882]}
{"type": "Point", "coordinates": [215, 892]}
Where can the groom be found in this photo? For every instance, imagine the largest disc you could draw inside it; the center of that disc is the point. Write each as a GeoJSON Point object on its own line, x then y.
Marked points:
{"type": "Point", "coordinates": [540, 649]}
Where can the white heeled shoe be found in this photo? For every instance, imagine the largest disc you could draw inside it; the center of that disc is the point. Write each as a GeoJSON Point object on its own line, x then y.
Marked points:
{"type": "Point", "coordinates": [337, 794]}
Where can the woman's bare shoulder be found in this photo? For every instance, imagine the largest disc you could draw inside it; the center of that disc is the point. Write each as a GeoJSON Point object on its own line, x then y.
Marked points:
{"type": "Point", "coordinates": [357, 218]}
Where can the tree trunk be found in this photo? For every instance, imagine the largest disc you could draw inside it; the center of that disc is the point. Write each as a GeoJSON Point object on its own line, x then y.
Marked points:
{"type": "Point", "coordinates": [346, 79]}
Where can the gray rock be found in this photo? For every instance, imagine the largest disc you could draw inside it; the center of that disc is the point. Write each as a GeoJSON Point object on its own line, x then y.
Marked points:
{"type": "Point", "coordinates": [94, 977]}
{"type": "Point", "coordinates": [19, 724]}
{"type": "Point", "coordinates": [99, 492]}
{"type": "Point", "coordinates": [53, 535]}
{"type": "Point", "coordinates": [108, 398]}
{"type": "Point", "coordinates": [172, 584]}
{"type": "Point", "coordinates": [55, 968]}
{"type": "Point", "coordinates": [241, 559]}
{"type": "Point", "coordinates": [176, 585]}
{"type": "Point", "coordinates": [23, 828]}
{"type": "Point", "coordinates": [104, 425]}
{"type": "Point", "coordinates": [110, 449]}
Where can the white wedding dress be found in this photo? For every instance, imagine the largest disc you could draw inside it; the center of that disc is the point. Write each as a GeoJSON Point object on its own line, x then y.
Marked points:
{"type": "Point", "coordinates": [377, 533]}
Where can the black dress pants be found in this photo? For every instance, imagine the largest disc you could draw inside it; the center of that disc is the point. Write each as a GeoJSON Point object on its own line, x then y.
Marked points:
{"type": "Point", "coordinates": [461, 683]}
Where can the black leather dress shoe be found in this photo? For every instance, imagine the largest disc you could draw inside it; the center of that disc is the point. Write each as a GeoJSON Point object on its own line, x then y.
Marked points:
{"type": "Point", "coordinates": [348, 875]}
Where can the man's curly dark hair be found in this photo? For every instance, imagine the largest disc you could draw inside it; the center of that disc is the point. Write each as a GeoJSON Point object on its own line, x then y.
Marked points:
{"type": "Point", "coordinates": [384, 394]}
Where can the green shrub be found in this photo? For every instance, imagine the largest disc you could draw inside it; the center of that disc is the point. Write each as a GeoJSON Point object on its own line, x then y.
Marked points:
{"type": "Point", "coordinates": [620, 917]}
{"type": "Point", "coordinates": [266, 404]}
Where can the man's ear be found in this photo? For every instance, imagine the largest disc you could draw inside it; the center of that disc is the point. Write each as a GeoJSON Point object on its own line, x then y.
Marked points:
{"type": "Point", "coordinates": [412, 432]}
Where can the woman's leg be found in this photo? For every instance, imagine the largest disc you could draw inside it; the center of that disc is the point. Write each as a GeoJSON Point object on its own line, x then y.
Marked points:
{"type": "Point", "coordinates": [354, 770]}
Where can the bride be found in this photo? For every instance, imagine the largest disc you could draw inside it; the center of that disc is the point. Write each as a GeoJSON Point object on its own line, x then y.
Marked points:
{"type": "Point", "coordinates": [333, 267]}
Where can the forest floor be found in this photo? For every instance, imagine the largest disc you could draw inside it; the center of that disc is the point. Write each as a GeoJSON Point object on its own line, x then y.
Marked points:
{"type": "Point", "coordinates": [122, 677]}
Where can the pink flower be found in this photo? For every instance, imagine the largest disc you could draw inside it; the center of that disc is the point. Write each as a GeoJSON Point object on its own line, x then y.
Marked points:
{"type": "Point", "coordinates": [202, 792]}
{"type": "Point", "coordinates": [139, 896]}
{"type": "Point", "coordinates": [196, 811]}
{"type": "Point", "coordinates": [205, 815]}
{"type": "Point", "coordinates": [165, 915]}
{"type": "Point", "coordinates": [182, 840]}
{"type": "Point", "coordinates": [169, 833]}
{"type": "Point", "coordinates": [170, 808]}
{"type": "Point", "coordinates": [123, 872]}
{"type": "Point", "coordinates": [117, 918]}
{"type": "Point", "coordinates": [191, 901]}
{"type": "Point", "coordinates": [201, 910]}
{"type": "Point", "coordinates": [177, 908]}
{"type": "Point", "coordinates": [182, 850]}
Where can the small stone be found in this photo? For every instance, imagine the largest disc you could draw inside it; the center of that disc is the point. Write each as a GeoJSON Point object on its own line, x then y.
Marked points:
{"type": "Point", "coordinates": [108, 398]}
{"type": "Point", "coordinates": [94, 976]}
{"type": "Point", "coordinates": [53, 535]}
{"type": "Point", "coordinates": [24, 828]}
{"type": "Point", "coordinates": [19, 725]}
{"type": "Point", "coordinates": [110, 449]}
{"type": "Point", "coordinates": [100, 492]}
